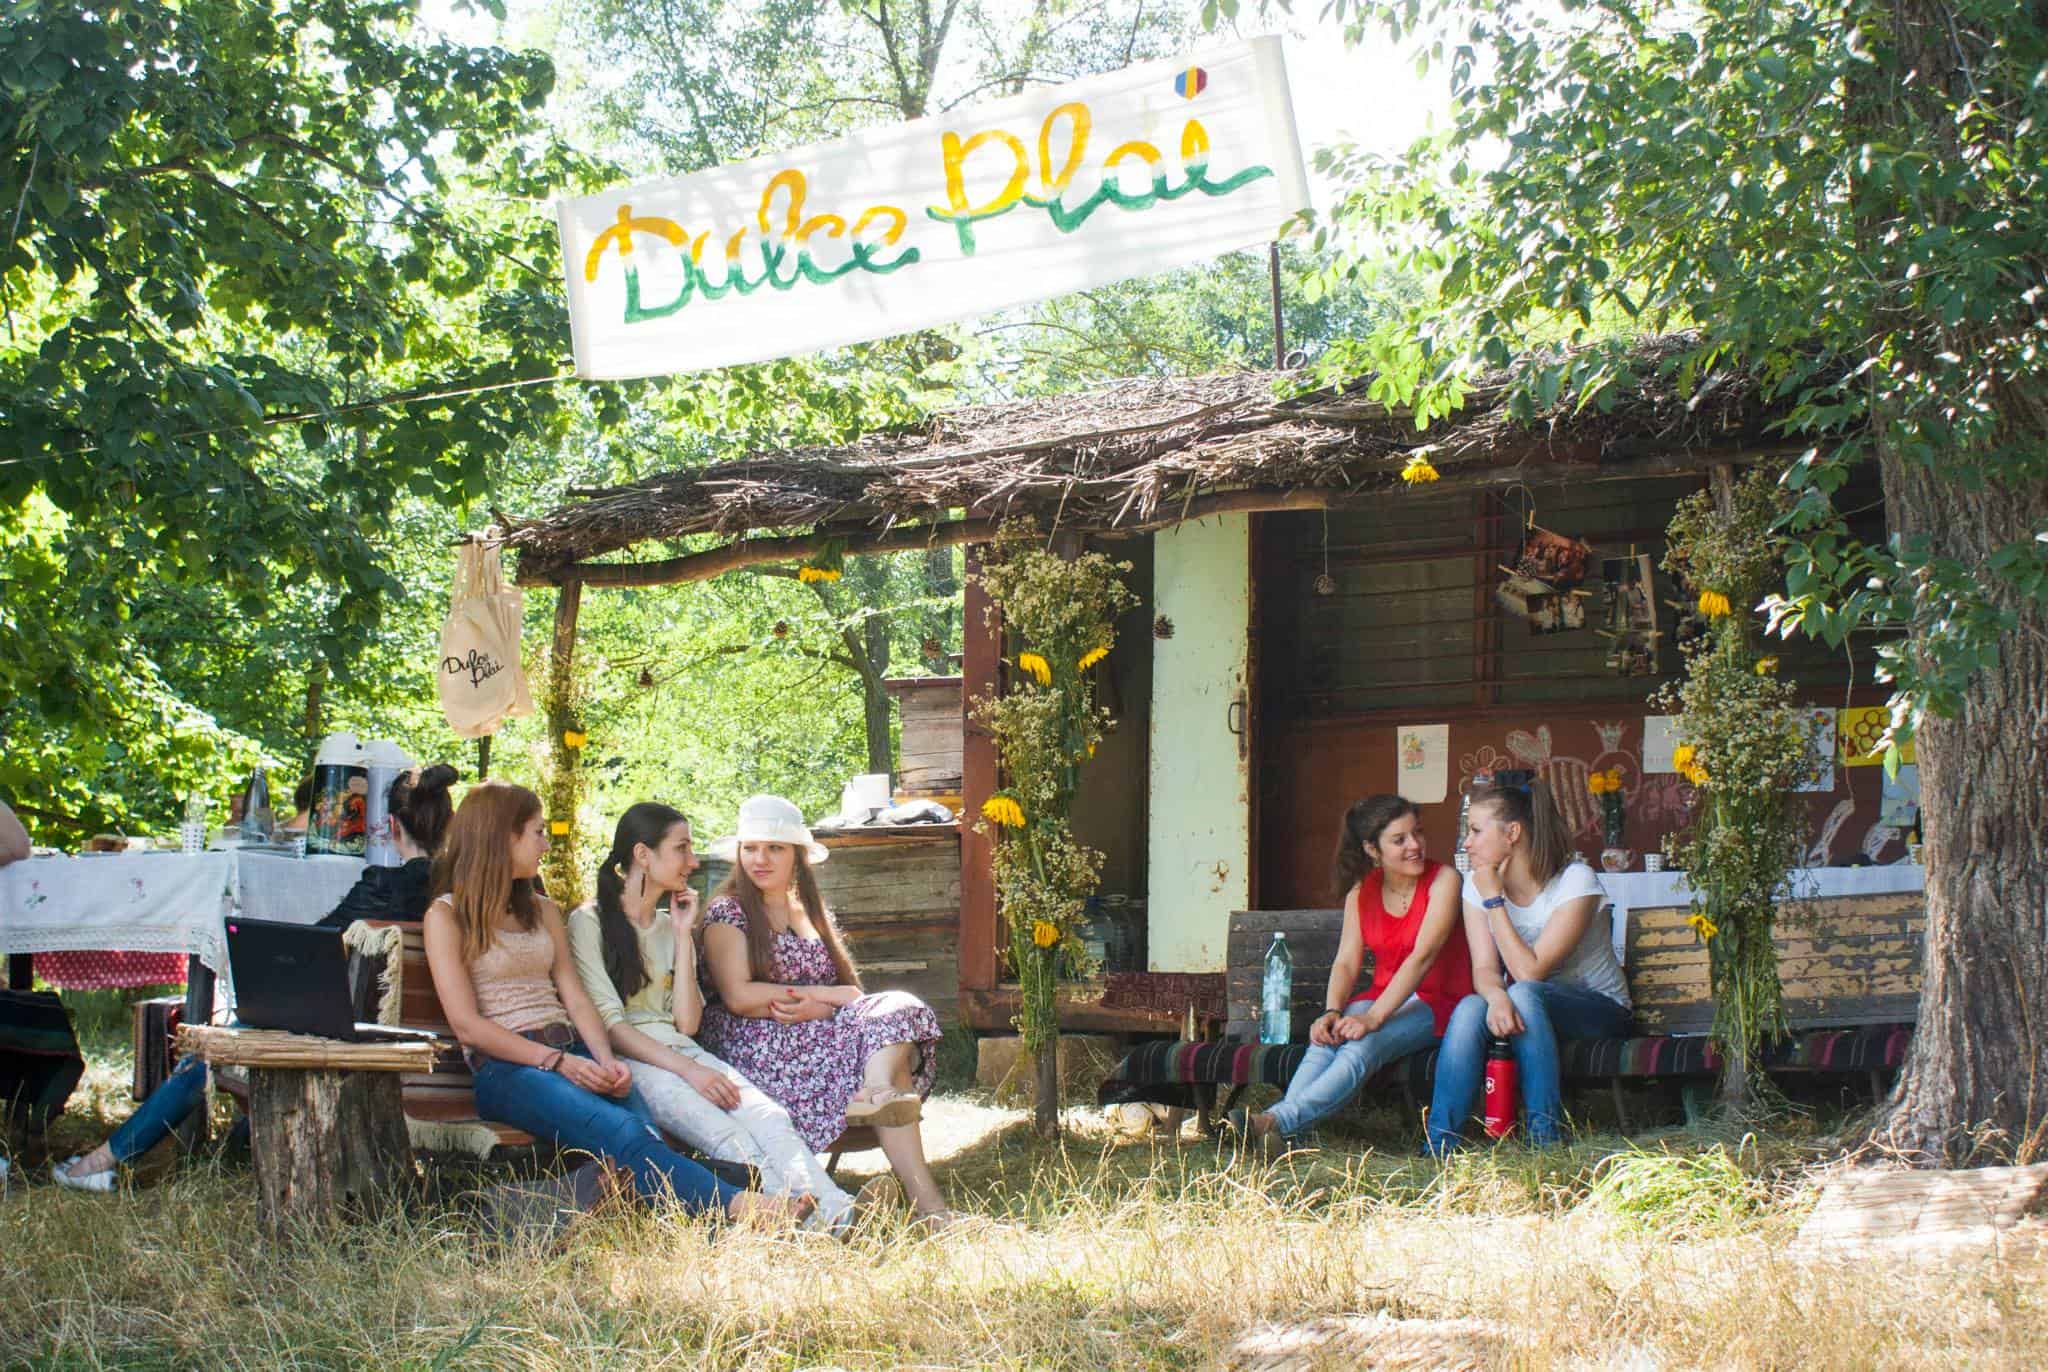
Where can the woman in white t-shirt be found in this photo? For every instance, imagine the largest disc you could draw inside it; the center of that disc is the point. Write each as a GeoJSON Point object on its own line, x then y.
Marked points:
{"type": "Point", "coordinates": [1543, 964]}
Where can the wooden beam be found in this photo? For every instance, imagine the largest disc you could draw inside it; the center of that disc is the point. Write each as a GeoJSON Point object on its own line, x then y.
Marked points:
{"type": "Point", "coordinates": [981, 657]}
{"type": "Point", "coordinates": [752, 552]}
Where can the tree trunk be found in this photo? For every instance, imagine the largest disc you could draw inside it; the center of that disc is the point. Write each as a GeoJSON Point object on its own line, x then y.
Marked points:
{"type": "Point", "coordinates": [1976, 1079]}
{"type": "Point", "coordinates": [874, 696]}
{"type": "Point", "coordinates": [327, 1145]}
{"type": "Point", "coordinates": [1975, 1083]}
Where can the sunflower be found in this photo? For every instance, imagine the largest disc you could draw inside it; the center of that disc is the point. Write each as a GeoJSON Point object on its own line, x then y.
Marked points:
{"type": "Point", "coordinates": [1767, 666]}
{"type": "Point", "coordinates": [1038, 667]}
{"type": "Point", "coordinates": [809, 574]}
{"type": "Point", "coordinates": [1091, 657]}
{"type": "Point", "coordinates": [1703, 926]}
{"type": "Point", "coordinates": [1714, 605]}
{"type": "Point", "coordinates": [1419, 472]}
{"type": "Point", "coordinates": [573, 739]}
{"type": "Point", "coordinates": [1044, 933]}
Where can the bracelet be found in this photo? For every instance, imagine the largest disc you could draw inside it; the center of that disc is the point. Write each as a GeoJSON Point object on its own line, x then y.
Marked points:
{"type": "Point", "coordinates": [553, 1064]}
{"type": "Point", "coordinates": [1339, 1013]}
{"type": "Point", "coordinates": [1494, 903]}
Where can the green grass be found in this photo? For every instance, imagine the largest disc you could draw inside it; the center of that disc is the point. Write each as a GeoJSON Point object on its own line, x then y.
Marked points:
{"type": "Point", "coordinates": [1104, 1251]}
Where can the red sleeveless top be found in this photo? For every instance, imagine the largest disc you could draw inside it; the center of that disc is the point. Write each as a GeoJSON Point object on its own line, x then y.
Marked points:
{"type": "Point", "coordinates": [1391, 938]}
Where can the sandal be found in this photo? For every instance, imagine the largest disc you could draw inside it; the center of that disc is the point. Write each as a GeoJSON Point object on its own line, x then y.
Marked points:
{"type": "Point", "coordinates": [888, 1110]}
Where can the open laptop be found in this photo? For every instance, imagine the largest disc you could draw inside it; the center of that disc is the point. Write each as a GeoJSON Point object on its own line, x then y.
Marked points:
{"type": "Point", "coordinates": [295, 977]}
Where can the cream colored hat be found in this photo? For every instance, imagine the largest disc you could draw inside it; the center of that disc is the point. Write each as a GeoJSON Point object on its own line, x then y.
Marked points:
{"type": "Point", "coordinates": [770, 819]}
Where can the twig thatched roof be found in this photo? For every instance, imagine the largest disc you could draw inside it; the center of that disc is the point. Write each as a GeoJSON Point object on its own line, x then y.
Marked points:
{"type": "Point", "coordinates": [1141, 453]}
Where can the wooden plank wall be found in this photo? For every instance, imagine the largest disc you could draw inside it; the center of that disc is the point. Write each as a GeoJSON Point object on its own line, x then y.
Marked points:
{"type": "Point", "coordinates": [1843, 960]}
{"type": "Point", "coordinates": [896, 896]}
{"type": "Point", "coordinates": [1312, 937]}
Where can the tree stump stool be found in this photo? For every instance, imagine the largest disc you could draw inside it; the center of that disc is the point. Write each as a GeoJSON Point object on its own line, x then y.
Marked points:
{"type": "Point", "coordinates": [326, 1126]}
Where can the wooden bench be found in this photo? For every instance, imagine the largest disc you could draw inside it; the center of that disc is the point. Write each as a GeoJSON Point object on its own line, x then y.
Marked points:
{"type": "Point", "coordinates": [1850, 966]}
{"type": "Point", "coordinates": [445, 1098]}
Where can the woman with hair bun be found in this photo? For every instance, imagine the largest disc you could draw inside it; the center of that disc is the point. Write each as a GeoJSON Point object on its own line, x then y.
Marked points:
{"type": "Point", "coordinates": [638, 961]}
{"type": "Point", "coordinates": [420, 809]}
{"type": "Point", "coordinates": [1543, 963]}
{"type": "Point", "coordinates": [1402, 907]}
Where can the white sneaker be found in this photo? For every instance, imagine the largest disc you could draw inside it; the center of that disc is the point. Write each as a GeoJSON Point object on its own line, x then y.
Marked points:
{"type": "Point", "coordinates": [100, 1183]}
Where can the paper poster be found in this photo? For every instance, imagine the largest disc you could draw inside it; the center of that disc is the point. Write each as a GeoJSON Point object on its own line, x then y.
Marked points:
{"type": "Point", "coordinates": [1820, 751]}
{"type": "Point", "coordinates": [1900, 807]}
{"type": "Point", "coordinates": [1422, 763]}
{"type": "Point", "coordinates": [1861, 729]}
{"type": "Point", "coordinates": [1660, 736]}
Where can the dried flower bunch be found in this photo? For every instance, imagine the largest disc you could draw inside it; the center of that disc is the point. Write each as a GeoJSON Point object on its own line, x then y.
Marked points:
{"type": "Point", "coordinates": [1059, 617]}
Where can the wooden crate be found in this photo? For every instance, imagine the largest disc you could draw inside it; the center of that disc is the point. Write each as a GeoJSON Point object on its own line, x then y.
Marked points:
{"type": "Point", "coordinates": [928, 761]}
{"type": "Point", "coordinates": [1312, 938]}
{"type": "Point", "coordinates": [1844, 960]}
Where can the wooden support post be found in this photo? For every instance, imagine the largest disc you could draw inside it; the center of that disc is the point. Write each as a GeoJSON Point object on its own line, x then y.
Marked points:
{"type": "Point", "coordinates": [327, 1144]}
{"type": "Point", "coordinates": [21, 971]}
{"type": "Point", "coordinates": [563, 867]}
{"type": "Point", "coordinates": [980, 660]}
{"type": "Point", "coordinates": [1620, 1107]}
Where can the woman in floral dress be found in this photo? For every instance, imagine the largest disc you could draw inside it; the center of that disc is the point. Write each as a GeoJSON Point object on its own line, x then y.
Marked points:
{"type": "Point", "coordinates": [784, 1004]}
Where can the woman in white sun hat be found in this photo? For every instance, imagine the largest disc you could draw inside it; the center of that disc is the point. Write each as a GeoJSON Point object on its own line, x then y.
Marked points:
{"type": "Point", "coordinates": [784, 1003]}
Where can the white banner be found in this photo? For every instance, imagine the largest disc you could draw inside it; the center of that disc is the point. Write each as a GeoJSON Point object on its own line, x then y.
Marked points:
{"type": "Point", "coordinates": [899, 228]}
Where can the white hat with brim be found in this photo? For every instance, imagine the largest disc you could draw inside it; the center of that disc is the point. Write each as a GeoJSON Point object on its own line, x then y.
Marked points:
{"type": "Point", "coordinates": [770, 819]}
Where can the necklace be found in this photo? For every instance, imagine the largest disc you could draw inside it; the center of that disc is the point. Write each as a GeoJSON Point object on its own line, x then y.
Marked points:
{"type": "Point", "coordinates": [1396, 908]}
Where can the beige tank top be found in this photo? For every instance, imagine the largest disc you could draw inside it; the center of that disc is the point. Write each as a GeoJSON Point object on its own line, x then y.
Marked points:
{"type": "Point", "coordinates": [514, 981]}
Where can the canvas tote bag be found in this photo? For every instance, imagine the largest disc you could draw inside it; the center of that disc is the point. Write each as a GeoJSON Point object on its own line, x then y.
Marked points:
{"type": "Point", "coordinates": [482, 681]}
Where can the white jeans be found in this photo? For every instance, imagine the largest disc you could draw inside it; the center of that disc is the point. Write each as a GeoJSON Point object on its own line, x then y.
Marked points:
{"type": "Point", "coordinates": [759, 1133]}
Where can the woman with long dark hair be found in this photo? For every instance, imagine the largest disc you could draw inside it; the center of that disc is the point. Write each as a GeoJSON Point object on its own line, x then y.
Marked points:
{"type": "Point", "coordinates": [788, 1009]}
{"type": "Point", "coordinates": [1402, 907]}
{"type": "Point", "coordinates": [638, 961]}
{"type": "Point", "coordinates": [1543, 963]}
{"type": "Point", "coordinates": [537, 1049]}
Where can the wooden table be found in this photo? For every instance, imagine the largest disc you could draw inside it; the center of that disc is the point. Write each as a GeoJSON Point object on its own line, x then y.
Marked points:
{"type": "Point", "coordinates": [326, 1126]}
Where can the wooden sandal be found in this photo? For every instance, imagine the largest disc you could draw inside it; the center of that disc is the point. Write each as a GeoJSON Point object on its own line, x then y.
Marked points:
{"type": "Point", "coordinates": [891, 1109]}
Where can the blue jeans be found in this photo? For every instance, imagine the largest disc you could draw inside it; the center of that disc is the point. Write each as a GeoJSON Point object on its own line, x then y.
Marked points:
{"type": "Point", "coordinates": [550, 1106]}
{"type": "Point", "coordinates": [1328, 1077]}
{"type": "Point", "coordinates": [1550, 1011]}
{"type": "Point", "coordinates": [174, 1099]}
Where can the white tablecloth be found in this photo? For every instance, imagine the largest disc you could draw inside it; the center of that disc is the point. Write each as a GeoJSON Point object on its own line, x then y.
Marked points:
{"type": "Point", "coordinates": [1651, 890]}
{"type": "Point", "coordinates": [161, 902]}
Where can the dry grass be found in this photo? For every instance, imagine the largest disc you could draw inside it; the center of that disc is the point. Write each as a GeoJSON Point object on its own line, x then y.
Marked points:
{"type": "Point", "coordinates": [1105, 1252]}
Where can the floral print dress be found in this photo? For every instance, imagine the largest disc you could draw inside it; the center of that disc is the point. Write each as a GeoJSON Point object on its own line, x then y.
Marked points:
{"type": "Point", "coordinates": [813, 1068]}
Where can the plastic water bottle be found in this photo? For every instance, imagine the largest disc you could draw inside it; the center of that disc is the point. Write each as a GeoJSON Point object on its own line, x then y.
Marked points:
{"type": "Point", "coordinates": [192, 829]}
{"type": "Point", "coordinates": [1276, 994]}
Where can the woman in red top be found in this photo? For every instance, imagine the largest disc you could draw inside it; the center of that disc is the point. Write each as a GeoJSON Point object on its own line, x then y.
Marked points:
{"type": "Point", "coordinates": [1403, 908]}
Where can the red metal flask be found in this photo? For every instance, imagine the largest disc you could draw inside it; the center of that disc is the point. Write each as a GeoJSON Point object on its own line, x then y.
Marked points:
{"type": "Point", "coordinates": [1503, 1096]}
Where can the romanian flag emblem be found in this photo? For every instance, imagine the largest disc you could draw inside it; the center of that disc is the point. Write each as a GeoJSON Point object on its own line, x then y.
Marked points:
{"type": "Point", "coordinates": [1190, 83]}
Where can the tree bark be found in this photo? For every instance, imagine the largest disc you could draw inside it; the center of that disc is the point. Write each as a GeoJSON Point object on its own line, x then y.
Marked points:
{"type": "Point", "coordinates": [327, 1145]}
{"type": "Point", "coordinates": [1975, 1082]}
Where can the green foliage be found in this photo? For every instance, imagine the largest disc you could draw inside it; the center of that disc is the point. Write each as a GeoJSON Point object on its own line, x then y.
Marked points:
{"type": "Point", "coordinates": [1696, 1195]}
{"type": "Point", "coordinates": [1845, 198]}
{"type": "Point", "coordinates": [1059, 616]}
{"type": "Point", "coordinates": [1745, 749]}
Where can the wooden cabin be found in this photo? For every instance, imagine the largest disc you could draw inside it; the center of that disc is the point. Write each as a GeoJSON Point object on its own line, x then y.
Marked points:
{"type": "Point", "coordinates": [1310, 626]}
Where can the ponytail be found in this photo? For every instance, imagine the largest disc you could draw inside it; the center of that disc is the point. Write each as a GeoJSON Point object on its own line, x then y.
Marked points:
{"type": "Point", "coordinates": [1543, 828]}
{"type": "Point", "coordinates": [1363, 824]}
{"type": "Point", "coordinates": [648, 823]}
